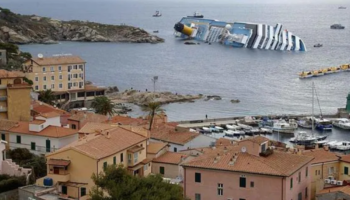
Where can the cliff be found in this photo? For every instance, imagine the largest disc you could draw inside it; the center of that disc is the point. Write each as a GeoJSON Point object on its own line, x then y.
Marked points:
{"type": "Point", "coordinates": [24, 29]}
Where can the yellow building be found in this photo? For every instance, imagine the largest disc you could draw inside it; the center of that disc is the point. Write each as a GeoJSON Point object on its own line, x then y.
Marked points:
{"type": "Point", "coordinates": [71, 167]}
{"type": "Point", "coordinates": [344, 168]}
{"type": "Point", "coordinates": [15, 101]}
{"type": "Point", "coordinates": [324, 166]}
{"type": "Point", "coordinates": [65, 76]}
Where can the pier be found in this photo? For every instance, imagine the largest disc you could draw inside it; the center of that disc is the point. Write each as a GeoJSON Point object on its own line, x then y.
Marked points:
{"type": "Point", "coordinates": [231, 120]}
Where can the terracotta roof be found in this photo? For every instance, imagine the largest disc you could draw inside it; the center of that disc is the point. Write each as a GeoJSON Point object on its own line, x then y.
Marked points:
{"type": "Point", "coordinates": [92, 127]}
{"type": "Point", "coordinates": [170, 158]}
{"type": "Point", "coordinates": [167, 133]}
{"type": "Point", "coordinates": [50, 114]}
{"type": "Point", "coordinates": [343, 189]}
{"type": "Point", "coordinates": [257, 139]}
{"type": "Point", "coordinates": [87, 117]}
{"type": "Point", "coordinates": [321, 155]}
{"type": "Point", "coordinates": [135, 149]}
{"type": "Point", "coordinates": [155, 147]}
{"type": "Point", "coordinates": [41, 107]}
{"type": "Point", "coordinates": [127, 120]}
{"type": "Point", "coordinates": [277, 164]}
{"type": "Point", "coordinates": [223, 142]}
{"type": "Point", "coordinates": [37, 121]}
{"type": "Point", "coordinates": [5, 124]}
{"type": "Point", "coordinates": [345, 158]}
{"type": "Point", "coordinates": [50, 131]}
{"type": "Point", "coordinates": [147, 160]}
{"type": "Point", "coordinates": [59, 60]}
{"type": "Point", "coordinates": [58, 162]}
{"type": "Point", "coordinates": [108, 143]}
{"type": "Point", "coordinates": [11, 74]}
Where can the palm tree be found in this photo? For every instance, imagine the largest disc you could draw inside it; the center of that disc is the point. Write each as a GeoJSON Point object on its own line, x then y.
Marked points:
{"type": "Point", "coordinates": [103, 105]}
{"type": "Point", "coordinates": [47, 96]}
{"type": "Point", "coordinates": [153, 108]}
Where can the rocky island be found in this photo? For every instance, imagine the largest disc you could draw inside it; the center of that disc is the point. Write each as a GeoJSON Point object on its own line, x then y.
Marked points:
{"type": "Point", "coordinates": [25, 29]}
{"type": "Point", "coordinates": [142, 98]}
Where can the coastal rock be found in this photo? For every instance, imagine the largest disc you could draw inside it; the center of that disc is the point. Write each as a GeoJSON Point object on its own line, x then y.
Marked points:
{"type": "Point", "coordinates": [23, 29]}
{"type": "Point", "coordinates": [235, 101]}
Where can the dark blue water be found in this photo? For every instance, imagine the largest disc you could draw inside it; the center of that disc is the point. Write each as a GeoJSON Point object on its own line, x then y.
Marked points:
{"type": "Point", "coordinates": [266, 82]}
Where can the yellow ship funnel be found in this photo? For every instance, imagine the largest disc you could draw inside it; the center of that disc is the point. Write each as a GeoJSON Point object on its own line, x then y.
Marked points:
{"type": "Point", "coordinates": [183, 29]}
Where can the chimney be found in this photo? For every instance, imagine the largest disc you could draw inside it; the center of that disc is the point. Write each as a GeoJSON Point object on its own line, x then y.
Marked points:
{"type": "Point", "coordinates": [326, 148]}
{"type": "Point", "coordinates": [218, 156]}
{"type": "Point", "coordinates": [225, 149]}
{"type": "Point", "coordinates": [108, 135]}
{"type": "Point", "coordinates": [231, 162]}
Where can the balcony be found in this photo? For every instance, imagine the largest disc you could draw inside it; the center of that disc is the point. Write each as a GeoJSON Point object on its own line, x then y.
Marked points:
{"type": "Point", "coordinates": [2, 87]}
{"type": "Point", "coordinates": [59, 177]}
{"type": "Point", "coordinates": [3, 98]}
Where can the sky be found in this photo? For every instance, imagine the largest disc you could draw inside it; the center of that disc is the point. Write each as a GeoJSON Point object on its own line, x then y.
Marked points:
{"type": "Point", "coordinates": [340, 2]}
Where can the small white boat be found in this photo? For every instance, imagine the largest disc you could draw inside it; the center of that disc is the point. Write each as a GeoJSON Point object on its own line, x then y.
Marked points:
{"type": "Point", "coordinates": [305, 122]}
{"type": "Point", "coordinates": [157, 14]}
{"type": "Point", "coordinates": [342, 123]}
{"type": "Point", "coordinates": [206, 129]}
{"type": "Point", "coordinates": [246, 127]}
{"type": "Point", "coordinates": [342, 146]}
{"type": "Point", "coordinates": [303, 138]}
{"type": "Point", "coordinates": [331, 143]}
{"type": "Point", "coordinates": [232, 127]}
{"type": "Point", "coordinates": [283, 127]}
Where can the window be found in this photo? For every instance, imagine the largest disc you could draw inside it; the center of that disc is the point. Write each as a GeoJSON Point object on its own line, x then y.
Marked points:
{"type": "Point", "coordinates": [18, 139]}
{"type": "Point", "coordinates": [75, 84]}
{"type": "Point", "coordinates": [69, 85]}
{"type": "Point", "coordinates": [299, 177]}
{"type": "Point", "coordinates": [52, 86]}
{"type": "Point", "coordinates": [59, 68]}
{"type": "Point", "coordinates": [121, 157]}
{"type": "Point", "coordinates": [242, 182]}
{"type": "Point", "coordinates": [81, 94]}
{"type": "Point", "coordinates": [3, 137]}
{"type": "Point", "coordinates": [44, 78]}
{"type": "Point", "coordinates": [197, 177]}
{"type": "Point", "coordinates": [64, 189]}
{"type": "Point", "coordinates": [346, 170]}
{"type": "Point", "coordinates": [306, 192]}
{"type": "Point", "coordinates": [300, 196]}
{"type": "Point", "coordinates": [114, 160]}
{"type": "Point", "coordinates": [75, 66]}
{"type": "Point", "coordinates": [81, 84]}
{"type": "Point", "coordinates": [161, 170]}
{"type": "Point", "coordinates": [52, 78]}
{"type": "Point", "coordinates": [197, 196]}
{"type": "Point", "coordinates": [82, 191]}
{"type": "Point", "coordinates": [69, 68]}
{"type": "Point", "coordinates": [36, 87]}
{"type": "Point", "coordinates": [307, 171]}
{"type": "Point", "coordinates": [263, 148]}
{"type": "Point", "coordinates": [60, 85]}
{"type": "Point", "coordinates": [52, 69]}
{"type": "Point", "coordinates": [81, 67]}
{"type": "Point", "coordinates": [129, 159]}
{"type": "Point", "coordinates": [241, 199]}
{"type": "Point", "coordinates": [330, 170]}
{"type": "Point", "coordinates": [69, 77]}
{"type": "Point", "coordinates": [175, 149]}
{"type": "Point", "coordinates": [104, 165]}
{"type": "Point", "coordinates": [44, 69]}
{"type": "Point", "coordinates": [44, 87]}
{"type": "Point", "coordinates": [60, 76]}
{"type": "Point", "coordinates": [36, 78]}
{"type": "Point", "coordinates": [80, 75]}
{"type": "Point", "coordinates": [145, 167]}
{"type": "Point", "coordinates": [251, 184]}
{"type": "Point", "coordinates": [291, 183]}
{"type": "Point", "coordinates": [74, 126]}
{"type": "Point", "coordinates": [75, 75]}
{"type": "Point", "coordinates": [220, 189]}
{"type": "Point", "coordinates": [32, 146]}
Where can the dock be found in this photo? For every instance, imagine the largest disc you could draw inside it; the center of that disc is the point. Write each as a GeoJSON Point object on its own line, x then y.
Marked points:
{"type": "Point", "coordinates": [231, 120]}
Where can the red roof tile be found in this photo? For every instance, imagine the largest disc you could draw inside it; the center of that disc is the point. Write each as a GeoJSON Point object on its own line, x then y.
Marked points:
{"type": "Point", "coordinates": [170, 158]}
{"type": "Point", "coordinates": [50, 131]}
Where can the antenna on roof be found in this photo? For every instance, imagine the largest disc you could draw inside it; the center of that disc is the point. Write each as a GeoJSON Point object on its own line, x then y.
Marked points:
{"type": "Point", "coordinates": [40, 55]}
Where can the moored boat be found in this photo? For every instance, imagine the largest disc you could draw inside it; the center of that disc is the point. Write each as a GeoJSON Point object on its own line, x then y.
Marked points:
{"type": "Point", "coordinates": [282, 126]}
{"type": "Point", "coordinates": [342, 145]}
{"type": "Point", "coordinates": [323, 124]}
{"type": "Point", "coordinates": [157, 14]}
{"type": "Point", "coordinates": [305, 122]}
{"type": "Point", "coordinates": [342, 123]}
{"type": "Point", "coordinates": [303, 138]}
{"type": "Point", "coordinates": [317, 73]}
{"type": "Point", "coordinates": [196, 15]}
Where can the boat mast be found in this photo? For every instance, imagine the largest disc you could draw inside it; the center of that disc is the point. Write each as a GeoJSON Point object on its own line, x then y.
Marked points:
{"type": "Point", "coordinates": [312, 117]}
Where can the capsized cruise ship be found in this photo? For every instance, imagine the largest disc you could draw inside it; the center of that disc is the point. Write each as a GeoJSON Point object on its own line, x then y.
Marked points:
{"type": "Point", "coordinates": [239, 34]}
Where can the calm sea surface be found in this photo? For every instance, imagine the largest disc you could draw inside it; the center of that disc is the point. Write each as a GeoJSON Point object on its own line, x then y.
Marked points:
{"type": "Point", "coordinates": [266, 82]}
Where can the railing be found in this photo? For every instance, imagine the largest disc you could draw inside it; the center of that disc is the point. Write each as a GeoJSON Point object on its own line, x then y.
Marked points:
{"type": "Point", "coordinates": [38, 149]}
{"type": "Point", "coordinates": [60, 177]}
{"type": "Point", "coordinates": [3, 109]}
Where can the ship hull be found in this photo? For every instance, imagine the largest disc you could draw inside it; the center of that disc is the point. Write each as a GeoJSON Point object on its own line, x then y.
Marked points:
{"type": "Point", "coordinates": [239, 34]}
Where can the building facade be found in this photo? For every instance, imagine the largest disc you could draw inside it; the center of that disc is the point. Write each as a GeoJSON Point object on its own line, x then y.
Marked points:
{"type": "Point", "coordinates": [250, 170]}
{"type": "Point", "coordinates": [71, 168]}
{"type": "Point", "coordinates": [14, 96]}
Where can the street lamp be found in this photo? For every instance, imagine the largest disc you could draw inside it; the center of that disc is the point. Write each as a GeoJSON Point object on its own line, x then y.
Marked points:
{"type": "Point", "coordinates": [154, 79]}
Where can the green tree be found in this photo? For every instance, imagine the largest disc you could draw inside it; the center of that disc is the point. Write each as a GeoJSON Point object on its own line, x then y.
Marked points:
{"type": "Point", "coordinates": [153, 108]}
{"type": "Point", "coordinates": [24, 158]}
{"type": "Point", "coordinates": [103, 105]}
{"type": "Point", "coordinates": [47, 96]}
{"type": "Point", "coordinates": [120, 185]}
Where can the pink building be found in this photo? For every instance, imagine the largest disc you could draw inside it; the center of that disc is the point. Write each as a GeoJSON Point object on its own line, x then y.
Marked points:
{"type": "Point", "coordinates": [250, 170]}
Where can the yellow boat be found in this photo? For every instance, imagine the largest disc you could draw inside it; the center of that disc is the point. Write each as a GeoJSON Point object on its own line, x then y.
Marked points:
{"type": "Point", "coordinates": [305, 75]}
{"type": "Point", "coordinates": [317, 73]}
{"type": "Point", "coordinates": [345, 67]}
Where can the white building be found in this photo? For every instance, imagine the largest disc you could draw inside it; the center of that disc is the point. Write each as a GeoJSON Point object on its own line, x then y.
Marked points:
{"type": "Point", "coordinates": [42, 135]}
